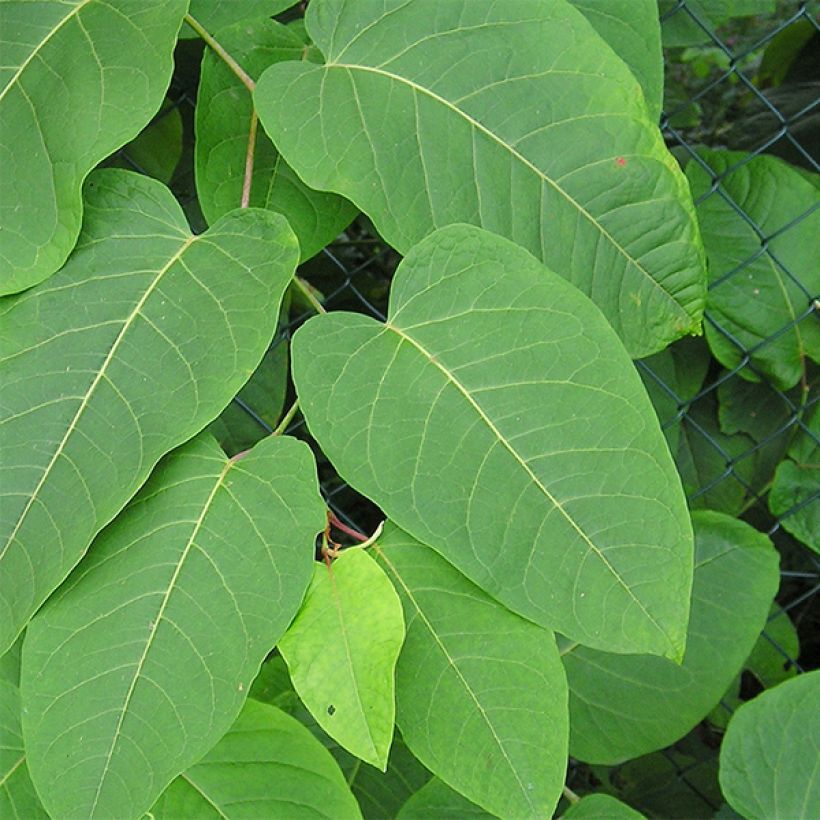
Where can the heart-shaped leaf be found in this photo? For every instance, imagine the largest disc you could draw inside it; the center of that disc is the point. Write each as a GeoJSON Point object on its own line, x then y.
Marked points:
{"type": "Point", "coordinates": [481, 698]}
{"type": "Point", "coordinates": [769, 757]}
{"type": "Point", "coordinates": [224, 114]}
{"type": "Point", "coordinates": [341, 652]}
{"type": "Point", "coordinates": [132, 348]}
{"type": "Point", "coordinates": [497, 418]}
{"type": "Point", "coordinates": [267, 765]}
{"type": "Point", "coordinates": [80, 79]}
{"type": "Point", "coordinates": [512, 116]}
{"type": "Point", "coordinates": [161, 630]}
{"type": "Point", "coordinates": [763, 279]}
{"type": "Point", "coordinates": [625, 706]}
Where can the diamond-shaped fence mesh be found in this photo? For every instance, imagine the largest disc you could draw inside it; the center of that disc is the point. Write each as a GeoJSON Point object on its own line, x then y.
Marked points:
{"type": "Point", "coordinates": [724, 90]}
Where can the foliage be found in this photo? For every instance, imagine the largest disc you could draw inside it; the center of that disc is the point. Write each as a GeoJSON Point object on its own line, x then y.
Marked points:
{"type": "Point", "coordinates": [181, 634]}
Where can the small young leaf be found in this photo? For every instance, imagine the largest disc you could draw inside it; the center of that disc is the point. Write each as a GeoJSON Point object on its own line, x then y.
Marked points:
{"type": "Point", "coordinates": [80, 79]}
{"type": "Point", "coordinates": [481, 697]}
{"type": "Point", "coordinates": [341, 651]}
{"type": "Point", "coordinates": [601, 807]}
{"type": "Point", "coordinates": [133, 347]}
{"type": "Point", "coordinates": [18, 800]}
{"type": "Point", "coordinates": [497, 418]}
{"type": "Point", "coordinates": [267, 765]}
{"type": "Point", "coordinates": [437, 800]}
{"type": "Point", "coordinates": [142, 659]}
{"type": "Point", "coordinates": [382, 794]}
{"type": "Point", "coordinates": [223, 117]}
{"type": "Point", "coordinates": [763, 279]}
{"type": "Point", "coordinates": [768, 759]}
{"type": "Point", "coordinates": [258, 405]}
{"type": "Point", "coordinates": [512, 116]}
{"type": "Point", "coordinates": [218, 14]}
{"type": "Point", "coordinates": [625, 706]}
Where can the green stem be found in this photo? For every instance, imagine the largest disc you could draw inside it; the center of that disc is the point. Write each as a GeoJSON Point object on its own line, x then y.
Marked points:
{"type": "Point", "coordinates": [249, 156]}
{"type": "Point", "coordinates": [237, 69]}
{"type": "Point", "coordinates": [309, 295]}
{"type": "Point", "coordinates": [570, 795]}
{"type": "Point", "coordinates": [286, 419]}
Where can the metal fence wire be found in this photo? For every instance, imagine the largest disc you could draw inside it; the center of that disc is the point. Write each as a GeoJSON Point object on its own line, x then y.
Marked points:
{"type": "Point", "coordinates": [715, 98]}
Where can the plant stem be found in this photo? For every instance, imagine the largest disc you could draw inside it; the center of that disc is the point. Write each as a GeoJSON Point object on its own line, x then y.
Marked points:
{"type": "Point", "coordinates": [237, 69]}
{"type": "Point", "coordinates": [286, 419]}
{"type": "Point", "coordinates": [340, 525]}
{"type": "Point", "coordinates": [305, 288]}
{"type": "Point", "coordinates": [249, 156]}
{"type": "Point", "coordinates": [570, 795]}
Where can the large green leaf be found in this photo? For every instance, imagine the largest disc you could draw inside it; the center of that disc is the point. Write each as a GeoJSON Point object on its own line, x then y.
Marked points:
{"type": "Point", "coordinates": [763, 243]}
{"type": "Point", "coordinates": [513, 116]}
{"type": "Point", "coordinates": [161, 630]}
{"type": "Point", "coordinates": [437, 800]}
{"type": "Point", "coordinates": [18, 800]}
{"type": "Point", "coordinates": [632, 29]}
{"type": "Point", "coordinates": [769, 757]}
{"type": "Point", "coordinates": [624, 706]}
{"type": "Point", "coordinates": [79, 79]}
{"type": "Point", "coordinates": [497, 418]}
{"type": "Point", "coordinates": [341, 652]}
{"type": "Point", "coordinates": [481, 698]}
{"type": "Point", "coordinates": [133, 347]}
{"type": "Point", "coordinates": [267, 765]}
{"type": "Point", "coordinates": [223, 117]}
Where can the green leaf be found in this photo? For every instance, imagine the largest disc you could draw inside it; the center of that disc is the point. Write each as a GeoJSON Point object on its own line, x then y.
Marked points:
{"type": "Point", "coordinates": [624, 706]}
{"type": "Point", "coordinates": [573, 517]}
{"type": "Point", "coordinates": [267, 765]}
{"type": "Point", "coordinates": [157, 149]}
{"type": "Point", "coordinates": [763, 268]}
{"type": "Point", "coordinates": [795, 499]}
{"type": "Point", "coordinates": [683, 28]}
{"type": "Point", "coordinates": [80, 79]}
{"type": "Point", "coordinates": [481, 697]}
{"type": "Point", "coordinates": [715, 468]}
{"type": "Point", "coordinates": [341, 652]}
{"type": "Point", "coordinates": [632, 29]}
{"type": "Point", "coordinates": [511, 116]}
{"type": "Point", "coordinates": [10, 663]}
{"type": "Point", "coordinates": [382, 794]}
{"type": "Point", "coordinates": [258, 405]}
{"type": "Point", "coordinates": [161, 630]}
{"type": "Point", "coordinates": [672, 378]}
{"type": "Point", "coordinates": [132, 348]}
{"type": "Point", "coordinates": [769, 660]}
{"type": "Point", "coordinates": [218, 14]}
{"type": "Point", "coordinates": [437, 801]}
{"type": "Point", "coordinates": [600, 807]}
{"type": "Point", "coordinates": [223, 119]}
{"type": "Point", "coordinates": [18, 800]}
{"type": "Point", "coordinates": [768, 759]}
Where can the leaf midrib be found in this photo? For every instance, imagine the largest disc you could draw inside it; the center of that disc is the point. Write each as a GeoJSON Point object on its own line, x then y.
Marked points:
{"type": "Point", "coordinates": [157, 621]}
{"type": "Point", "coordinates": [538, 483]}
{"type": "Point", "coordinates": [39, 47]}
{"type": "Point", "coordinates": [72, 426]}
{"type": "Point", "coordinates": [350, 67]}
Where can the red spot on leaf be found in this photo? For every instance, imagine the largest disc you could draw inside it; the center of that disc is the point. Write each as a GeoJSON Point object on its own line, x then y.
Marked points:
{"type": "Point", "coordinates": [620, 161]}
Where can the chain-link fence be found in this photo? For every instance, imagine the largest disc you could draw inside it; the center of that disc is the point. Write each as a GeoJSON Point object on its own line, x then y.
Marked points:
{"type": "Point", "coordinates": [746, 84]}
